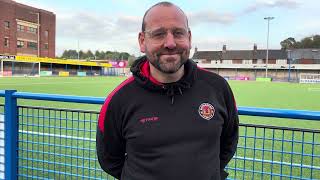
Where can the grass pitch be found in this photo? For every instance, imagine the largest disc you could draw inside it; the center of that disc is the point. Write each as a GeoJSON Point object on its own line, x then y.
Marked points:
{"type": "Point", "coordinates": [60, 144]}
{"type": "Point", "coordinates": [247, 93]}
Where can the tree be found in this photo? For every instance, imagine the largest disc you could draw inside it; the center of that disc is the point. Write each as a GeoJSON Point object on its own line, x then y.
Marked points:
{"type": "Point", "coordinates": [316, 41]}
{"type": "Point", "coordinates": [124, 55]}
{"type": "Point", "coordinates": [65, 54]}
{"type": "Point", "coordinates": [307, 42]}
{"type": "Point", "coordinates": [73, 54]}
{"type": "Point", "coordinates": [98, 55]}
{"type": "Point", "coordinates": [116, 56]}
{"type": "Point", "coordinates": [82, 54]}
{"type": "Point", "coordinates": [89, 55]}
{"type": "Point", "coordinates": [131, 60]}
{"type": "Point", "coordinates": [110, 55]}
{"type": "Point", "coordinates": [288, 43]}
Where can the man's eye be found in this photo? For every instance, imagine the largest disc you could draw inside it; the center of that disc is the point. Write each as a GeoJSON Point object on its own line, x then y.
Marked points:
{"type": "Point", "coordinates": [159, 34]}
{"type": "Point", "coordinates": [178, 33]}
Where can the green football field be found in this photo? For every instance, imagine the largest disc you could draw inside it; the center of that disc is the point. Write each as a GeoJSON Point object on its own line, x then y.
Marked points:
{"type": "Point", "coordinates": [46, 148]}
{"type": "Point", "coordinates": [247, 93]}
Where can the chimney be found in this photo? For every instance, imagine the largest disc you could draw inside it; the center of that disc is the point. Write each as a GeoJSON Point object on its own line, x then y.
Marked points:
{"type": "Point", "coordinates": [224, 48]}
{"type": "Point", "coordinates": [255, 48]}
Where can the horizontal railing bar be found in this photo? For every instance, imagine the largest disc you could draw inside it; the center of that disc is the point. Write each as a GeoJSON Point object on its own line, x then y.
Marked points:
{"type": "Point", "coordinates": [249, 111]}
{"type": "Point", "coordinates": [279, 127]}
{"type": "Point", "coordinates": [275, 151]}
{"type": "Point", "coordinates": [59, 109]}
{"type": "Point", "coordinates": [57, 172]}
{"type": "Point", "coordinates": [278, 139]}
{"type": "Point", "coordinates": [48, 145]}
{"type": "Point", "coordinates": [260, 126]}
{"type": "Point", "coordinates": [58, 154]}
{"type": "Point", "coordinates": [264, 173]}
{"type": "Point", "coordinates": [33, 177]}
{"type": "Point", "coordinates": [280, 113]}
{"type": "Point", "coordinates": [85, 167]}
{"type": "Point", "coordinates": [40, 126]}
{"type": "Point", "coordinates": [59, 97]}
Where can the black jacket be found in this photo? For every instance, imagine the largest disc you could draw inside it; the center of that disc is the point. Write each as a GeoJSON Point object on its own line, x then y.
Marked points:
{"type": "Point", "coordinates": [177, 131]}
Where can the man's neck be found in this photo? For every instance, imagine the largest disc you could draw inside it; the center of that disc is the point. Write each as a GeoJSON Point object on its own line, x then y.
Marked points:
{"type": "Point", "coordinates": [166, 77]}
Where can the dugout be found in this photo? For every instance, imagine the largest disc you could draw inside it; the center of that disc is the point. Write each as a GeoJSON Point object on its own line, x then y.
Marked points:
{"type": "Point", "coordinates": [72, 69]}
{"type": "Point", "coordinates": [33, 66]}
{"type": "Point", "coordinates": [12, 68]}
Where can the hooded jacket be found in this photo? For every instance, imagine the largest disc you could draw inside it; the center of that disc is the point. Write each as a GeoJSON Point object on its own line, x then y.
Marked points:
{"type": "Point", "coordinates": [184, 130]}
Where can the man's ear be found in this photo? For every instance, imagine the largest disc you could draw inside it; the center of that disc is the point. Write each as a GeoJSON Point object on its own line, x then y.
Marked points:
{"type": "Point", "coordinates": [142, 42]}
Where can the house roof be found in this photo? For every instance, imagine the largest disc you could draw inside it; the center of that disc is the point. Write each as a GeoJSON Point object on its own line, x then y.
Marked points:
{"type": "Point", "coordinates": [273, 54]}
{"type": "Point", "coordinates": [210, 55]}
{"type": "Point", "coordinates": [304, 54]}
{"type": "Point", "coordinates": [240, 54]}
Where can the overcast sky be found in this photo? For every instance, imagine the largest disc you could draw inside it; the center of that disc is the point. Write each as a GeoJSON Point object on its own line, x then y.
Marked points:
{"type": "Point", "coordinates": [114, 24]}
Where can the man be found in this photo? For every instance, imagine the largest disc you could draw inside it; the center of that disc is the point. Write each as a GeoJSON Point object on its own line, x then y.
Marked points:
{"type": "Point", "coordinates": [171, 120]}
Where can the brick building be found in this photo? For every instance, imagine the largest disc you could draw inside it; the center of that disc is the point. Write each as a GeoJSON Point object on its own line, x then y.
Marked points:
{"type": "Point", "coordinates": [26, 30]}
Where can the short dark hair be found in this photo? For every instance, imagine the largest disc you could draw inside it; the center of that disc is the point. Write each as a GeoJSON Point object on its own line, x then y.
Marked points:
{"type": "Point", "coordinates": [163, 3]}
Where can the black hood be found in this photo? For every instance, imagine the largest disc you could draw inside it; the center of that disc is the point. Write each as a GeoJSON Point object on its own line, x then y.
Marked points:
{"type": "Point", "coordinates": [143, 78]}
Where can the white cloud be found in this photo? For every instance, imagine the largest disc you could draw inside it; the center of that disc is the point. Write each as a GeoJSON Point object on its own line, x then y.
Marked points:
{"type": "Point", "coordinates": [210, 17]}
{"type": "Point", "coordinates": [308, 28]}
{"type": "Point", "coordinates": [128, 23]}
{"type": "Point", "coordinates": [289, 4]}
{"type": "Point", "coordinates": [97, 31]}
{"type": "Point", "coordinates": [93, 31]}
{"type": "Point", "coordinates": [216, 43]}
{"type": "Point", "coordinates": [119, 31]}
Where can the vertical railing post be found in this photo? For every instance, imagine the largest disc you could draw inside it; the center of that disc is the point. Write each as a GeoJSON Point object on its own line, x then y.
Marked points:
{"type": "Point", "coordinates": [11, 135]}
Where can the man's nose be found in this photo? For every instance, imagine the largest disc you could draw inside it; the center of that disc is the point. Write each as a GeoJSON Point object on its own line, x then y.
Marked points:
{"type": "Point", "coordinates": [170, 42]}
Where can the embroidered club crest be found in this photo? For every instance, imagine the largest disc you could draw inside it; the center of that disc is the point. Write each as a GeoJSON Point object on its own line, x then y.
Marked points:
{"type": "Point", "coordinates": [206, 111]}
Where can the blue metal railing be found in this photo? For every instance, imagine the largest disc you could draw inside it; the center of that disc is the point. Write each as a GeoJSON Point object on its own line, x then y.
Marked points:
{"type": "Point", "coordinates": [56, 143]}
{"type": "Point", "coordinates": [2, 138]}
{"type": "Point", "coordinates": [250, 111]}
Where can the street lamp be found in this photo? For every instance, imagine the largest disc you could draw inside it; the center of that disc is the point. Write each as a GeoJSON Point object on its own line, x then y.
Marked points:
{"type": "Point", "coordinates": [38, 30]}
{"type": "Point", "coordinates": [78, 51]}
{"type": "Point", "coordinates": [289, 61]}
{"type": "Point", "coordinates": [267, 56]}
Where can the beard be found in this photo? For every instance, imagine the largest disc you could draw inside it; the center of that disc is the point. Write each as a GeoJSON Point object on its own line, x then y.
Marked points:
{"type": "Point", "coordinates": [175, 59]}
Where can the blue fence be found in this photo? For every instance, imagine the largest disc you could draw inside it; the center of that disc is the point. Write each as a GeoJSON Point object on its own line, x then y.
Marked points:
{"type": "Point", "coordinates": [57, 143]}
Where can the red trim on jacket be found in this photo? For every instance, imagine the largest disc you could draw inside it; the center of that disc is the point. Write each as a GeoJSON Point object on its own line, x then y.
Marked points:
{"type": "Point", "coordinates": [203, 69]}
{"type": "Point", "coordinates": [235, 103]}
{"type": "Point", "coordinates": [145, 69]}
{"type": "Point", "coordinates": [107, 101]}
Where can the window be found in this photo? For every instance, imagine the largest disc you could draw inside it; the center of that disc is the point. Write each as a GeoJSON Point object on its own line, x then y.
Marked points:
{"type": "Point", "coordinates": [46, 33]}
{"type": "Point", "coordinates": [7, 24]}
{"type": "Point", "coordinates": [6, 42]}
{"type": "Point", "coordinates": [32, 30]}
{"type": "Point", "coordinates": [46, 46]}
{"type": "Point", "coordinates": [20, 27]}
{"type": "Point", "coordinates": [20, 44]}
{"type": "Point", "coordinates": [32, 45]}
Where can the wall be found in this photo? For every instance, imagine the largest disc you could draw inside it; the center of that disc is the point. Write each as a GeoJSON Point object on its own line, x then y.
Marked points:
{"type": "Point", "coordinates": [10, 11]}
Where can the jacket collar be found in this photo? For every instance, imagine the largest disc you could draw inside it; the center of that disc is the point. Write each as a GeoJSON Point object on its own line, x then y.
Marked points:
{"type": "Point", "coordinates": [141, 72]}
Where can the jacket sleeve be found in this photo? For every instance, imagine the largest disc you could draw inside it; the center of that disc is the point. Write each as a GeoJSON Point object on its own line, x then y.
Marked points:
{"type": "Point", "coordinates": [230, 132]}
{"type": "Point", "coordinates": [110, 144]}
